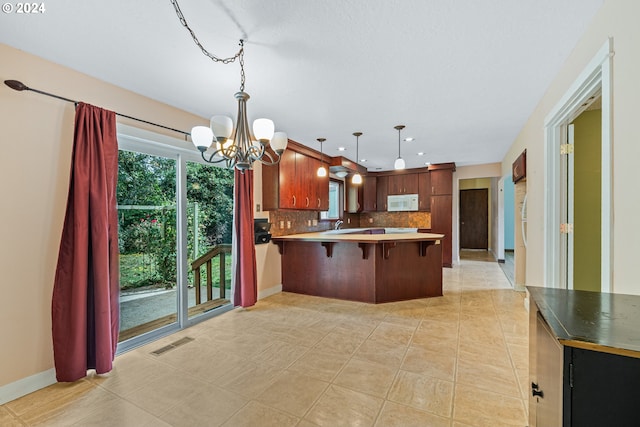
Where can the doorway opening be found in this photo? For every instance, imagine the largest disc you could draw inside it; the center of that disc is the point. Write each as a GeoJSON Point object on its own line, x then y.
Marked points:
{"type": "Point", "coordinates": [593, 83]}
{"type": "Point", "coordinates": [476, 240]}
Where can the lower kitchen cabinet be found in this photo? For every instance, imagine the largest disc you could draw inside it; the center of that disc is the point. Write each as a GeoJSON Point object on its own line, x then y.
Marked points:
{"type": "Point", "coordinates": [584, 358]}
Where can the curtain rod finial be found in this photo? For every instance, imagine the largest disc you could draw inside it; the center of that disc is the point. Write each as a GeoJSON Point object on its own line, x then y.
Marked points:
{"type": "Point", "coordinates": [16, 85]}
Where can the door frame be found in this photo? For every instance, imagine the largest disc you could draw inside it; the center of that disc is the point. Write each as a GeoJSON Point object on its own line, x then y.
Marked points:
{"type": "Point", "coordinates": [596, 77]}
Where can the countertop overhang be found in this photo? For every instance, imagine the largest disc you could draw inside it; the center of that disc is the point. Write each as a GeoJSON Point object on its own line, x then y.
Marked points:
{"type": "Point", "coordinates": [360, 236]}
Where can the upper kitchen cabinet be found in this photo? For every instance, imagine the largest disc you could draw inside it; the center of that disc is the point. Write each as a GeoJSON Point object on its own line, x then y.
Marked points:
{"type": "Point", "coordinates": [382, 191]}
{"type": "Point", "coordinates": [403, 184]}
{"type": "Point", "coordinates": [424, 192]}
{"type": "Point", "coordinates": [293, 183]}
{"type": "Point", "coordinates": [442, 179]}
{"type": "Point", "coordinates": [369, 194]}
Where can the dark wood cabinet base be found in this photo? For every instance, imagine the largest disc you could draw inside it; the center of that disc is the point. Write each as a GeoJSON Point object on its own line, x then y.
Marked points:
{"type": "Point", "coordinates": [367, 272]}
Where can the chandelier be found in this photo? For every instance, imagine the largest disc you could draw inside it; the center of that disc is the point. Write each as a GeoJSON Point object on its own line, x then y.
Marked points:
{"type": "Point", "coordinates": [236, 146]}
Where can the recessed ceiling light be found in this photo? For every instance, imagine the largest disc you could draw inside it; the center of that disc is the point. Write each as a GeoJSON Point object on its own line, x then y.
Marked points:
{"type": "Point", "coordinates": [427, 163]}
{"type": "Point", "coordinates": [421, 153]}
{"type": "Point", "coordinates": [342, 149]}
{"type": "Point", "coordinates": [378, 169]}
{"type": "Point", "coordinates": [409, 139]}
{"type": "Point", "coordinates": [363, 160]}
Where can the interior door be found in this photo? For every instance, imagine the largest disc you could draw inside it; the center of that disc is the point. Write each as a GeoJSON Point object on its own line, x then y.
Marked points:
{"type": "Point", "coordinates": [474, 219]}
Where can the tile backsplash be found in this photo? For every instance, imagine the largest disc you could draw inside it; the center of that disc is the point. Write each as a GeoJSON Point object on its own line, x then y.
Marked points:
{"type": "Point", "coordinates": [285, 222]}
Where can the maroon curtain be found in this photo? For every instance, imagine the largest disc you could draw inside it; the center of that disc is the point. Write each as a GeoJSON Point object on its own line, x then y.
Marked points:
{"type": "Point", "coordinates": [243, 250]}
{"type": "Point", "coordinates": [85, 305]}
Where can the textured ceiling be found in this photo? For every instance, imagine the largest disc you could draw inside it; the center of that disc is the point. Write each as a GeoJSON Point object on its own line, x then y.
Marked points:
{"type": "Point", "coordinates": [462, 75]}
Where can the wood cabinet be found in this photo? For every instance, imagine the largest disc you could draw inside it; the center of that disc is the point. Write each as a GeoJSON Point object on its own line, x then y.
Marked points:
{"type": "Point", "coordinates": [441, 182]}
{"type": "Point", "coordinates": [382, 191]}
{"type": "Point", "coordinates": [406, 183]}
{"type": "Point", "coordinates": [369, 194]}
{"type": "Point", "coordinates": [584, 358]}
{"type": "Point", "coordinates": [441, 224]}
{"type": "Point", "coordinates": [424, 192]}
{"type": "Point", "coordinates": [294, 184]}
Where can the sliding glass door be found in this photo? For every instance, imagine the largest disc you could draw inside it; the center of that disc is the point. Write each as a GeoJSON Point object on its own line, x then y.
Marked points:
{"type": "Point", "coordinates": [175, 224]}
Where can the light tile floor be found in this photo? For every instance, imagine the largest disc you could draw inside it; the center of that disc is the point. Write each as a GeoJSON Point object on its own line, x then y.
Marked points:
{"type": "Point", "coordinates": [293, 360]}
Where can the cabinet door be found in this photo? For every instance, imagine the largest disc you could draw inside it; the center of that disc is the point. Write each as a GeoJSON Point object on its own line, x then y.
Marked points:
{"type": "Point", "coordinates": [395, 184]}
{"type": "Point", "coordinates": [549, 373]}
{"type": "Point", "coordinates": [441, 182]}
{"type": "Point", "coordinates": [322, 189]}
{"type": "Point", "coordinates": [287, 180]}
{"type": "Point", "coordinates": [382, 191]}
{"type": "Point", "coordinates": [410, 183]}
{"type": "Point", "coordinates": [369, 202]}
{"type": "Point", "coordinates": [441, 224]}
{"type": "Point", "coordinates": [424, 192]}
{"type": "Point", "coordinates": [306, 175]}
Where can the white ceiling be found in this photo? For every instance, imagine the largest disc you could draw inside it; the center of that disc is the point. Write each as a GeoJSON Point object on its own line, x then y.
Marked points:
{"type": "Point", "coordinates": [462, 75]}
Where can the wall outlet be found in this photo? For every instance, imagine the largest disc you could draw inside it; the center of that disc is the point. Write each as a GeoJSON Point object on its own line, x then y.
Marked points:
{"type": "Point", "coordinates": [348, 220]}
{"type": "Point", "coordinates": [288, 224]}
{"type": "Point", "coordinates": [309, 223]}
{"type": "Point", "coordinates": [314, 222]}
{"type": "Point", "coordinates": [258, 207]}
{"type": "Point", "coordinates": [370, 220]}
{"type": "Point", "coordinates": [281, 224]}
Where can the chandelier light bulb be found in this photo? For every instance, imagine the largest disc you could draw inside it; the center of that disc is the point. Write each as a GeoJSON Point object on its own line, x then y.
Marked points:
{"type": "Point", "coordinates": [263, 130]}
{"type": "Point", "coordinates": [356, 179]}
{"type": "Point", "coordinates": [399, 164]}
{"type": "Point", "coordinates": [202, 137]}
{"type": "Point", "coordinates": [222, 127]}
{"type": "Point", "coordinates": [279, 142]}
{"type": "Point", "coordinates": [322, 171]}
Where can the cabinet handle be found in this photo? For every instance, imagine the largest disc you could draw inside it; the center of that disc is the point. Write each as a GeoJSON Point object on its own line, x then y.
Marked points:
{"type": "Point", "coordinates": [535, 392]}
{"type": "Point", "coordinates": [319, 202]}
{"type": "Point", "coordinates": [294, 200]}
{"type": "Point", "coordinates": [307, 202]}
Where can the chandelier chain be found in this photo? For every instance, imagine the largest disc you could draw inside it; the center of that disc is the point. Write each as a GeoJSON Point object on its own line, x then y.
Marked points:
{"type": "Point", "coordinates": [214, 58]}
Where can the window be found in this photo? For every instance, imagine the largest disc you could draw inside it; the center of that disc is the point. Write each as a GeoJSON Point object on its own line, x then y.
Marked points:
{"type": "Point", "coordinates": [335, 200]}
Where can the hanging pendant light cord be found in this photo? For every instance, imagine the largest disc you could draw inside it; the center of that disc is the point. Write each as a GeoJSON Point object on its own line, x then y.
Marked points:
{"type": "Point", "coordinates": [214, 58]}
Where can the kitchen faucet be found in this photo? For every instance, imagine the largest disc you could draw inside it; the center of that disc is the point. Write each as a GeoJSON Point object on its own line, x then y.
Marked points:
{"type": "Point", "coordinates": [338, 224]}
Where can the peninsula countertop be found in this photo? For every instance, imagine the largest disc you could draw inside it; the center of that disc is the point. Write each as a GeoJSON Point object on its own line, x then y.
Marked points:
{"type": "Point", "coordinates": [361, 235]}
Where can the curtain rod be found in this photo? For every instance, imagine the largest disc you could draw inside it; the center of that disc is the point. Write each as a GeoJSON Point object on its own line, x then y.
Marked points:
{"type": "Point", "coordinates": [19, 86]}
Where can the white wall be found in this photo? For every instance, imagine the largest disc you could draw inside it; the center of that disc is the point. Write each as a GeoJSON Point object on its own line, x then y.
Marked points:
{"type": "Point", "coordinates": [618, 19]}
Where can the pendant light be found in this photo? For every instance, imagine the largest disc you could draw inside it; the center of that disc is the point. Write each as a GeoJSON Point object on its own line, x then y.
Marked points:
{"type": "Point", "coordinates": [322, 171]}
{"type": "Point", "coordinates": [399, 164]}
{"type": "Point", "coordinates": [357, 178]}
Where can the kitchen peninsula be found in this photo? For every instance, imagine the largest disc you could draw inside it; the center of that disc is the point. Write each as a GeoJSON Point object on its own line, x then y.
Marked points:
{"type": "Point", "coordinates": [367, 265]}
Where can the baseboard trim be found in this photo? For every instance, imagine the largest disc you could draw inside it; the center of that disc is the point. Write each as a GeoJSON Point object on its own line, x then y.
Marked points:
{"type": "Point", "coordinates": [269, 291]}
{"type": "Point", "coordinates": [27, 385]}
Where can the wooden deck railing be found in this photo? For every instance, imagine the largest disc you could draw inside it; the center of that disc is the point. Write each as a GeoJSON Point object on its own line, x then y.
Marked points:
{"type": "Point", "coordinates": [218, 250]}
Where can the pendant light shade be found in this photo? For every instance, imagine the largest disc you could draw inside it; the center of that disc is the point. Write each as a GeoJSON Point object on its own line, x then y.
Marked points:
{"type": "Point", "coordinates": [357, 178]}
{"type": "Point", "coordinates": [399, 163]}
{"type": "Point", "coordinates": [322, 170]}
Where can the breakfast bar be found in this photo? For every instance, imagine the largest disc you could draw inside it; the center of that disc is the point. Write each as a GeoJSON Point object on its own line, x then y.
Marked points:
{"type": "Point", "coordinates": [367, 265]}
